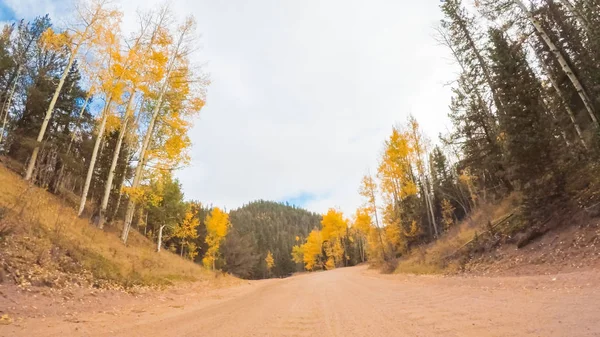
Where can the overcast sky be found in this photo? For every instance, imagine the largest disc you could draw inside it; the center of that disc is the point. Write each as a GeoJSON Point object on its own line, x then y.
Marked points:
{"type": "Point", "coordinates": [303, 93]}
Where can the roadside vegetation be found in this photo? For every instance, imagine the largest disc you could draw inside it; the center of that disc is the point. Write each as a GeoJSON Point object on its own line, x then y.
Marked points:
{"type": "Point", "coordinates": [96, 120]}
{"type": "Point", "coordinates": [44, 243]}
{"type": "Point", "coordinates": [522, 156]}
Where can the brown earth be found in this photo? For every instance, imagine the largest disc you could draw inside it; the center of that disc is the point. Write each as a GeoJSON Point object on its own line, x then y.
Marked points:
{"type": "Point", "coordinates": [343, 302]}
{"type": "Point", "coordinates": [564, 249]}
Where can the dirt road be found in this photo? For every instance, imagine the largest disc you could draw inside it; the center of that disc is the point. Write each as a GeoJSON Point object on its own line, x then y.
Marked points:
{"type": "Point", "coordinates": [353, 302]}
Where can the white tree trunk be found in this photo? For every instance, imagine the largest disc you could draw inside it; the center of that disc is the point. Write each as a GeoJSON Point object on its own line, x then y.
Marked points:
{"type": "Point", "coordinates": [149, 132]}
{"type": "Point", "coordinates": [565, 102]}
{"type": "Point", "coordinates": [113, 165]}
{"type": "Point", "coordinates": [90, 173]}
{"type": "Point", "coordinates": [428, 204]}
{"type": "Point", "coordinates": [42, 132]}
{"type": "Point", "coordinates": [562, 61]}
{"type": "Point", "coordinates": [138, 172]}
{"type": "Point", "coordinates": [377, 222]}
{"type": "Point", "coordinates": [8, 102]}
{"type": "Point", "coordinates": [160, 230]}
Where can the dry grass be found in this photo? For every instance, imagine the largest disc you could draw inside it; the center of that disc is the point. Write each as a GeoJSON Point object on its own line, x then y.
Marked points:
{"type": "Point", "coordinates": [441, 256]}
{"type": "Point", "coordinates": [47, 244]}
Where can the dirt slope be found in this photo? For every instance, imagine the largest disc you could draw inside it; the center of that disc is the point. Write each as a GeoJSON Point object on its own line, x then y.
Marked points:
{"type": "Point", "coordinates": [348, 302]}
{"type": "Point", "coordinates": [43, 243]}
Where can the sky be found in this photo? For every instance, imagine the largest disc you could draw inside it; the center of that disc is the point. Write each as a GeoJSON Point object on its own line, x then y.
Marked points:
{"type": "Point", "coordinates": [302, 94]}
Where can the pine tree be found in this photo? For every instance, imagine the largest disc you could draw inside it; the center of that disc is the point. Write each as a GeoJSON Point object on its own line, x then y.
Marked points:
{"type": "Point", "coordinates": [529, 138]}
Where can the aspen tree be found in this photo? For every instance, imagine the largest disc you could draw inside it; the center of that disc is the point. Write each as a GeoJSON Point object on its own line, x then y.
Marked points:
{"type": "Point", "coordinates": [419, 150]}
{"type": "Point", "coordinates": [217, 226]}
{"type": "Point", "coordinates": [562, 97]}
{"type": "Point", "coordinates": [312, 250]}
{"type": "Point", "coordinates": [134, 68]}
{"type": "Point", "coordinates": [186, 231]}
{"type": "Point", "coordinates": [368, 190]}
{"type": "Point", "coordinates": [112, 86]}
{"type": "Point", "coordinates": [177, 57]}
{"type": "Point", "coordinates": [270, 262]}
{"type": "Point", "coordinates": [90, 18]}
{"type": "Point", "coordinates": [564, 64]}
{"type": "Point", "coordinates": [363, 225]}
{"type": "Point", "coordinates": [334, 229]}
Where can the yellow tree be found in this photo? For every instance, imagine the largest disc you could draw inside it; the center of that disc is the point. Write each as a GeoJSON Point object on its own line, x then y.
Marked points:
{"type": "Point", "coordinates": [368, 190]}
{"type": "Point", "coordinates": [419, 151]}
{"type": "Point", "coordinates": [362, 225]}
{"type": "Point", "coordinates": [270, 262]}
{"type": "Point", "coordinates": [375, 250]}
{"type": "Point", "coordinates": [175, 102]}
{"type": "Point", "coordinates": [469, 179]}
{"type": "Point", "coordinates": [142, 65]}
{"type": "Point", "coordinates": [447, 214]}
{"type": "Point", "coordinates": [312, 250]}
{"type": "Point", "coordinates": [398, 188]}
{"type": "Point", "coordinates": [334, 230]}
{"type": "Point", "coordinates": [90, 18]}
{"type": "Point", "coordinates": [188, 230]}
{"type": "Point", "coordinates": [395, 171]}
{"type": "Point", "coordinates": [298, 254]}
{"type": "Point", "coordinates": [217, 225]}
{"type": "Point", "coordinates": [112, 86]}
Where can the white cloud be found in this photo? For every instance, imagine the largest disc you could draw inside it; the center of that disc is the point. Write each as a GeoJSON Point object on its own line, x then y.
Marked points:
{"type": "Point", "coordinates": [303, 93]}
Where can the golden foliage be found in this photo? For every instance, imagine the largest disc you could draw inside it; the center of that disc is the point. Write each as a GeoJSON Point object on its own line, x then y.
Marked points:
{"type": "Point", "coordinates": [187, 229]}
{"type": "Point", "coordinates": [269, 261]}
{"type": "Point", "coordinates": [51, 40]}
{"type": "Point", "coordinates": [298, 254]}
{"type": "Point", "coordinates": [395, 172]}
{"type": "Point", "coordinates": [312, 250]}
{"type": "Point", "coordinates": [113, 123]}
{"type": "Point", "coordinates": [374, 245]}
{"type": "Point", "coordinates": [334, 225]}
{"type": "Point", "coordinates": [468, 179]}
{"type": "Point", "coordinates": [335, 228]}
{"type": "Point", "coordinates": [217, 226]}
{"type": "Point", "coordinates": [447, 214]}
{"type": "Point", "coordinates": [368, 189]}
{"type": "Point", "coordinates": [362, 221]}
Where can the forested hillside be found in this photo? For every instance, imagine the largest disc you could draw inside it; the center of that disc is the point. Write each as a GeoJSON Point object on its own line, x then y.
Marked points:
{"type": "Point", "coordinates": [261, 227]}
